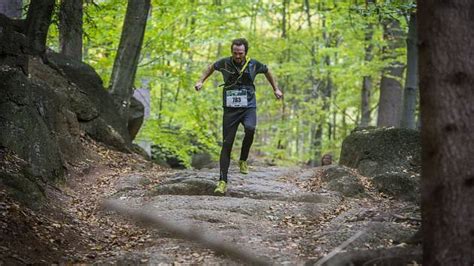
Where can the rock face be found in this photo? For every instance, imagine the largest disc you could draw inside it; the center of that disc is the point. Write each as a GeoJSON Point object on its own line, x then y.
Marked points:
{"type": "Point", "coordinates": [349, 186]}
{"type": "Point", "coordinates": [389, 156]}
{"type": "Point", "coordinates": [28, 116]}
{"type": "Point", "coordinates": [343, 180]}
{"type": "Point", "coordinates": [378, 151]}
{"type": "Point", "coordinates": [96, 108]}
{"type": "Point", "coordinates": [400, 185]}
{"type": "Point", "coordinates": [46, 103]}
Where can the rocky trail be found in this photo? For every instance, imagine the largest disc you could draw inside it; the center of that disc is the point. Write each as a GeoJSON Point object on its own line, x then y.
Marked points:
{"type": "Point", "coordinates": [276, 215]}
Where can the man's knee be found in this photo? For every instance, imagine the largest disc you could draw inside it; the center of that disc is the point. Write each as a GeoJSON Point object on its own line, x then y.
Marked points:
{"type": "Point", "coordinates": [228, 141]}
{"type": "Point", "coordinates": [249, 130]}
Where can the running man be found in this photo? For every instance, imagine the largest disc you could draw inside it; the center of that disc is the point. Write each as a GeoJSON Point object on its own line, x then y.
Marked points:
{"type": "Point", "coordinates": [239, 103]}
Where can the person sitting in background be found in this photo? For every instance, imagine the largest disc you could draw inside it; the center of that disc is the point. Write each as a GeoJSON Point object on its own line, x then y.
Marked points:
{"type": "Point", "coordinates": [326, 159]}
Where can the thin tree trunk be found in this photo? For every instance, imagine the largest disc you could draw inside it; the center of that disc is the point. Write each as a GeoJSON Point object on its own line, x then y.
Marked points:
{"type": "Point", "coordinates": [365, 101]}
{"type": "Point", "coordinates": [367, 80]}
{"type": "Point", "coordinates": [325, 117]}
{"type": "Point", "coordinates": [390, 101]}
{"type": "Point", "coordinates": [192, 26]}
{"type": "Point", "coordinates": [281, 143]}
{"type": "Point", "coordinates": [70, 28]}
{"type": "Point", "coordinates": [316, 141]}
{"type": "Point", "coordinates": [37, 24]}
{"type": "Point", "coordinates": [128, 53]}
{"type": "Point", "coordinates": [11, 8]}
{"type": "Point", "coordinates": [447, 113]}
{"type": "Point", "coordinates": [344, 124]}
{"type": "Point", "coordinates": [411, 81]}
{"type": "Point", "coordinates": [316, 130]}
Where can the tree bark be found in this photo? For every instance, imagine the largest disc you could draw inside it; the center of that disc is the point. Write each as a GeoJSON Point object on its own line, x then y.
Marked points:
{"type": "Point", "coordinates": [367, 80]}
{"type": "Point", "coordinates": [37, 24]}
{"type": "Point", "coordinates": [390, 101]}
{"type": "Point", "coordinates": [316, 130]}
{"type": "Point", "coordinates": [70, 28]}
{"type": "Point", "coordinates": [411, 80]}
{"type": "Point", "coordinates": [128, 53]}
{"type": "Point", "coordinates": [11, 8]}
{"type": "Point", "coordinates": [447, 111]}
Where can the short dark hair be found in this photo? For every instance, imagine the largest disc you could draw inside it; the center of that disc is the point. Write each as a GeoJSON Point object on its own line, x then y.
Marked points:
{"type": "Point", "coordinates": [239, 42]}
{"type": "Point", "coordinates": [324, 156]}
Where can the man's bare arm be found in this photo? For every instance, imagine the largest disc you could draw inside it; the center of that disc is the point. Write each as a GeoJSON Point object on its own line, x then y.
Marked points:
{"type": "Point", "coordinates": [278, 93]}
{"type": "Point", "coordinates": [209, 70]}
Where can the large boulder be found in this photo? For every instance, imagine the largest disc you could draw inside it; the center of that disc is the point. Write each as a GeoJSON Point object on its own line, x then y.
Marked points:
{"type": "Point", "coordinates": [343, 180]}
{"type": "Point", "coordinates": [17, 178]}
{"type": "Point", "coordinates": [32, 127]}
{"type": "Point", "coordinates": [378, 151]}
{"type": "Point", "coordinates": [28, 117]}
{"type": "Point", "coordinates": [349, 186]}
{"type": "Point", "coordinates": [12, 45]}
{"type": "Point", "coordinates": [95, 107]}
{"type": "Point", "coordinates": [399, 185]}
{"type": "Point", "coordinates": [44, 110]}
{"type": "Point", "coordinates": [333, 172]}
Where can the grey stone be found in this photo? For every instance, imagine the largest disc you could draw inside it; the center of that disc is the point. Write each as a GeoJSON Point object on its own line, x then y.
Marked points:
{"type": "Point", "coordinates": [349, 186]}
{"type": "Point", "coordinates": [400, 185]}
{"type": "Point", "coordinates": [191, 186]}
{"type": "Point", "coordinates": [381, 150]}
{"type": "Point", "coordinates": [332, 172]}
{"type": "Point", "coordinates": [107, 127]}
{"type": "Point", "coordinates": [28, 118]}
{"type": "Point", "coordinates": [130, 182]}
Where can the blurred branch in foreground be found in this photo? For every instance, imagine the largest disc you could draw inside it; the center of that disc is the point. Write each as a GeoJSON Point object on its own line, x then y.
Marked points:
{"type": "Point", "coordinates": [188, 233]}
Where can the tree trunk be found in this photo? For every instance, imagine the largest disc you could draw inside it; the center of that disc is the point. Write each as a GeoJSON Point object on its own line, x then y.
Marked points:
{"type": "Point", "coordinates": [365, 101]}
{"type": "Point", "coordinates": [447, 113]}
{"type": "Point", "coordinates": [411, 81]}
{"type": "Point", "coordinates": [314, 89]}
{"type": "Point", "coordinates": [70, 28]}
{"type": "Point", "coordinates": [390, 88]}
{"type": "Point", "coordinates": [367, 80]}
{"type": "Point", "coordinates": [128, 53]}
{"type": "Point", "coordinates": [281, 142]}
{"type": "Point", "coordinates": [37, 24]}
{"type": "Point", "coordinates": [11, 8]}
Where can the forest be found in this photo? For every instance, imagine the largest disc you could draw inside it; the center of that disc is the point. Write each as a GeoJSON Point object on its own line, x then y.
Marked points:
{"type": "Point", "coordinates": [100, 109]}
{"type": "Point", "coordinates": [341, 65]}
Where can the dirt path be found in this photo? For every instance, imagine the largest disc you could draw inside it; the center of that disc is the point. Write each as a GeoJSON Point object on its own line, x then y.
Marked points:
{"type": "Point", "coordinates": [261, 212]}
{"type": "Point", "coordinates": [281, 215]}
{"type": "Point", "coordinates": [267, 213]}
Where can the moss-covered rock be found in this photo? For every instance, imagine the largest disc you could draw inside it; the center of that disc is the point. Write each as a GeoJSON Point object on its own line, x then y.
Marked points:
{"type": "Point", "coordinates": [18, 180]}
{"type": "Point", "coordinates": [348, 186]}
{"type": "Point", "coordinates": [94, 106]}
{"type": "Point", "coordinates": [399, 185]}
{"type": "Point", "coordinates": [381, 150]}
{"type": "Point", "coordinates": [331, 172]}
{"type": "Point", "coordinates": [28, 123]}
{"type": "Point", "coordinates": [186, 186]}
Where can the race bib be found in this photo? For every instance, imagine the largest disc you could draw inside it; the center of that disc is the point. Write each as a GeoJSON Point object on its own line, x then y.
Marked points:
{"type": "Point", "coordinates": [236, 98]}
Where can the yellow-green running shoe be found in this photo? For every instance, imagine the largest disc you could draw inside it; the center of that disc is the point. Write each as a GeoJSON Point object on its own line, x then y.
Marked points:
{"type": "Point", "coordinates": [244, 167]}
{"type": "Point", "coordinates": [221, 187]}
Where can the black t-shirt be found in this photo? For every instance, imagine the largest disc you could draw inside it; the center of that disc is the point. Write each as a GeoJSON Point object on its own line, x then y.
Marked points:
{"type": "Point", "coordinates": [235, 87]}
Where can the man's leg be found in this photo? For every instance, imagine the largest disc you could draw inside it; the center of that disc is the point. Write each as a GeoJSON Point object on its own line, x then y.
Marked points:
{"type": "Point", "coordinates": [250, 122]}
{"type": "Point", "coordinates": [230, 124]}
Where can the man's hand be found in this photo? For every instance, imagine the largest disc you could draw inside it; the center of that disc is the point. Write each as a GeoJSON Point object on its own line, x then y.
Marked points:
{"type": "Point", "coordinates": [198, 85]}
{"type": "Point", "coordinates": [278, 93]}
